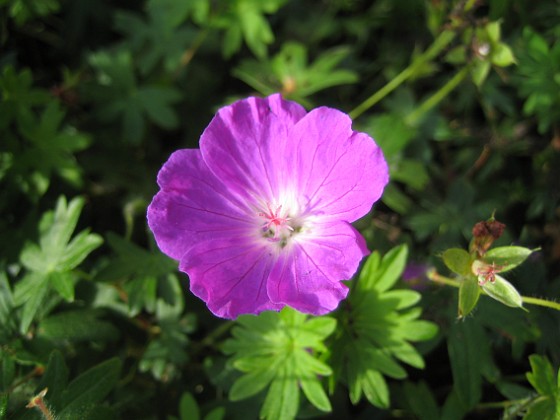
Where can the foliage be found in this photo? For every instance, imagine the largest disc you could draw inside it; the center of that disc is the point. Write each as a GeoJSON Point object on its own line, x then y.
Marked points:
{"type": "Point", "coordinates": [462, 96]}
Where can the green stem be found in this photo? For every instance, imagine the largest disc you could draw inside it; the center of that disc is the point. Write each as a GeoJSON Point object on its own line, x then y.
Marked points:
{"type": "Point", "coordinates": [438, 278]}
{"type": "Point", "coordinates": [436, 98]}
{"type": "Point", "coordinates": [438, 45]}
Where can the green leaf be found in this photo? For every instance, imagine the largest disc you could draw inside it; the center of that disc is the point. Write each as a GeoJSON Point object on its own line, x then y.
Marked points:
{"type": "Point", "coordinates": [7, 305]}
{"type": "Point", "coordinates": [245, 18]}
{"type": "Point", "coordinates": [77, 326]}
{"type": "Point", "coordinates": [375, 388]}
{"type": "Point", "coordinates": [391, 133]}
{"type": "Point", "coordinates": [216, 414]}
{"type": "Point", "coordinates": [479, 72]}
{"type": "Point", "coordinates": [374, 330]}
{"type": "Point", "coordinates": [279, 350]}
{"type": "Point", "coordinates": [157, 102]}
{"type": "Point", "coordinates": [188, 408]}
{"type": "Point", "coordinates": [91, 387]}
{"type": "Point", "coordinates": [394, 198]}
{"type": "Point", "coordinates": [54, 252]}
{"type": "Point", "coordinates": [3, 404]}
{"type": "Point", "coordinates": [251, 383]}
{"type": "Point", "coordinates": [505, 258]}
{"type": "Point", "coordinates": [469, 292]}
{"type": "Point", "coordinates": [458, 260]}
{"type": "Point", "coordinates": [467, 346]}
{"type": "Point", "coordinates": [421, 401]}
{"type": "Point", "coordinates": [55, 379]}
{"type": "Point", "coordinates": [410, 172]}
{"type": "Point", "coordinates": [31, 291]}
{"type": "Point", "coordinates": [78, 249]}
{"type": "Point", "coordinates": [134, 261]}
{"type": "Point", "coordinates": [282, 400]}
{"type": "Point", "coordinates": [8, 371]}
{"type": "Point", "coordinates": [290, 73]}
{"type": "Point", "coordinates": [502, 56]}
{"type": "Point", "coordinates": [389, 271]}
{"type": "Point", "coordinates": [314, 392]}
{"type": "Point", "coordinates": [542, 378]}
{"type": "Point", "coordinates": [503, 291]}
{"type": "Point", "coordinates": [63, 283]}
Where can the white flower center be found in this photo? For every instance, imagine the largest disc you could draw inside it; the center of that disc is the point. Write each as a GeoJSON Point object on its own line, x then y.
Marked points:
{"type": "Point", "coordinates": [278, 224]}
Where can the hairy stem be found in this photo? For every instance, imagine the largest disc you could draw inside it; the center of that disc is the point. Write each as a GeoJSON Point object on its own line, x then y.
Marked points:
{"type": "Point", "coordinates": [437, 97]}
{"type": "Point", "coordinates": [438, 45]}
{"type": "Point", "coordinates": [438, 278]}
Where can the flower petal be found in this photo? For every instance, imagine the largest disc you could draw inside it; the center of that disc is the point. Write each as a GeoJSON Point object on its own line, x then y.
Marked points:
{"type": "Point", "coordinates": [340, 172]}
{"type": "Point", "coordinates": [192, 205]}
{"type": "Point", "coordinates": [230, 275]}
{"type": "Point", "coordinates": [308, 276]}
{"type": "Point", "coordinates": [243, 144]}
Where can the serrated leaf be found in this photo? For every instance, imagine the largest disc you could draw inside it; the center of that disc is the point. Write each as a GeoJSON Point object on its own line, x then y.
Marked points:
{"type": "Point", "coordinates": [458, 260]}
{"type": "Point", "coordinates": [290, 73]}
{"type": "Point", "coordinates": [274, 349]}
{"type": "Point", "coordinates": [469, 293]}
{"type": "Point", "coordinates": [374, 331]}
{"type": "Point", "coordinates": [503, 291]}
{"type": "Point", "coordinates": [505, 258]}
{"type": "Point", "coordinates": [55, 251]}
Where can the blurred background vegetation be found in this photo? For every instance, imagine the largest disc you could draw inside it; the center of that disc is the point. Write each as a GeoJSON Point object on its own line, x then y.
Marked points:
{"type": "Point", "coordinates": [463, 96]}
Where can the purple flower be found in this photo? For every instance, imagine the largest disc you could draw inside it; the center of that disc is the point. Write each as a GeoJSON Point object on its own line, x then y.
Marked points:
{"type": "Point", "coordinates": [259, 217]}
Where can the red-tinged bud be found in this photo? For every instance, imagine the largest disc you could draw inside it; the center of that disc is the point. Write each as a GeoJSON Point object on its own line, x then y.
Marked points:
{"type": "Point", "coordinates": [484, 234]}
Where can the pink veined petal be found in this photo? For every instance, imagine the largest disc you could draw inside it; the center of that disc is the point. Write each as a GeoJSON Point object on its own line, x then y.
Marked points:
{"type": "Point", "coordinates": [230, 275]}
{"type": "Point", "coordinates": [192, 205]}
{"type": "Point", "coordinates": [308, 276]}
{"type": "Point", "coordinates": [243, 145]}
{"type": "Point", "coordinates": [340, 172]}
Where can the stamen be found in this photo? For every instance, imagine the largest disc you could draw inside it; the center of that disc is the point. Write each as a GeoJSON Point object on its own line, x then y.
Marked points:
{"type": "Point", "coordinates": [274, 221]}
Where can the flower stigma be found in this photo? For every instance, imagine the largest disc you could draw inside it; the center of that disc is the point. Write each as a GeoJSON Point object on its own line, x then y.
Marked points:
{"type": "Point", "coordinates": [278, 225]}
